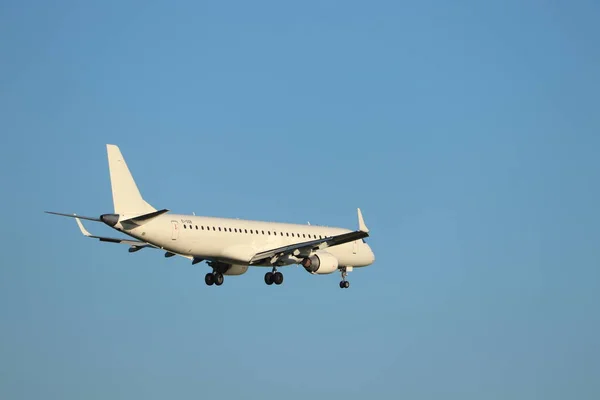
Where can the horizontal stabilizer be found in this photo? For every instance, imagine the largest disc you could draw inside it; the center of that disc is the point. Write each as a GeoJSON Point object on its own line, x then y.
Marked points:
{"type": "Point", "coordinates": [73, 216]}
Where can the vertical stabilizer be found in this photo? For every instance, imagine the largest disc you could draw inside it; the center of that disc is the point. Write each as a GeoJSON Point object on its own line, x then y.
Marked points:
{"type": "Point", "coordinates": [126, 196]}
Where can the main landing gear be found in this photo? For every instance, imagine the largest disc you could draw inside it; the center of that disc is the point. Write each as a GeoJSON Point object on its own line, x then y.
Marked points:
{"type": "Point", "coordinates": [214, 278]}
{"type": "Point", "coordinates": [274, 277]}
{"type": "Point", "coordinates": [344, 284]}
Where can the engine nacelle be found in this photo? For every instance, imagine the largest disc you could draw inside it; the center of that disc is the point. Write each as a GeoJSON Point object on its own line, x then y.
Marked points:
{"type": "Point", "coordinates": [229, 269]}
{"type": "Point", "coordinates": [320, 263]}
{"type": "Point", "coordinates": [236, 269]}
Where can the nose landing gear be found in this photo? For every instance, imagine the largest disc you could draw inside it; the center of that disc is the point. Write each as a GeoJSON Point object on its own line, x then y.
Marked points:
{"type": "Point", "coordinates": [344, 284]}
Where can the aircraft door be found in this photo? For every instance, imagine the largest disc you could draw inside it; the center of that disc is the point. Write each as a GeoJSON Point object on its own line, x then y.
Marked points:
{"type": "Point", "coordinates": [355, 247]}
{"type": "Point", "coordinates": [174, 230]}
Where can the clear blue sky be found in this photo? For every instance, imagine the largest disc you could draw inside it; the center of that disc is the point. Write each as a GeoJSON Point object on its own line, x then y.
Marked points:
{"type": "Point", "coordinates": [468, 132]}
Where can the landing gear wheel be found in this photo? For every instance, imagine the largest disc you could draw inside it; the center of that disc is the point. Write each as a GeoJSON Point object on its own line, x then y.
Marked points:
{"type": "Point", "coordinates": [344, 284]}
{"type": "Point", "coordinates": [269, 278]}
{"type": "Point", "coordinates": [209, 279]}
{"type": "Point", "coordinates": [278, 278]}
{"type": "Point", "coordinates": [219, 279]}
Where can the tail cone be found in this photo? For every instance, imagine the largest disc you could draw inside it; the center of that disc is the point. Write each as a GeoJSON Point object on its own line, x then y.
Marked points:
{"type": "Point", "coordinates": [110, 219]}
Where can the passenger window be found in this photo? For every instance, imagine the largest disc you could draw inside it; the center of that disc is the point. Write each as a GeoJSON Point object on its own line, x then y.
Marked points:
{"type": "Point", "coordinates": [245, 230]}
{"type": "Point", "coordinates": [303, 235]}
{"type": "Point", "coordinates": [202, 227]}
{"type": "Point", "coordinates": [263, 232]}
{"type": "Point", "coordinates": [287, 234]}
{"type": "Point", "coordinates": [219, 229]}
{"type": "Point", "coordinates": [229, 229]}
{"type": "Point", "coordinates": [269, 232]}
{"type": "Point", "coordinates": [196, 227]}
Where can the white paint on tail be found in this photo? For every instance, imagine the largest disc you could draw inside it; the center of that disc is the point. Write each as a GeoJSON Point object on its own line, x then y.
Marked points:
{"type": "Point", "coordinates": [127, 199]}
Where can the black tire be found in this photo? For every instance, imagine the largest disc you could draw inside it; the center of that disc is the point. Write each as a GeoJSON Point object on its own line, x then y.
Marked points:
{"type": "Point", "coordinates": [209, 279]}
{"type": "Point", "coordinates": [278, 278]}
{"type": "Point", "coordinates": [219, 279]}
{"type": "Point", "coordinates": [342, 284]}
{"type": "Point", "coordinates": [269, 278]}
{"type": "Point", "coordinates": [346, 285]}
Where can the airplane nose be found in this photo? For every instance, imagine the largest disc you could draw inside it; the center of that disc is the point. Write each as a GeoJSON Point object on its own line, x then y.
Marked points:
{"type": "Point", "coordinates": [371, 255]}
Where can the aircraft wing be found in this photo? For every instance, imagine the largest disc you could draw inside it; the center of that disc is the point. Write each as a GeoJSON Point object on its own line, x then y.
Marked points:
{"type": "Point", "coordinates": [305, 248]}
{"type": "Point", "coordinates": [135, 244]}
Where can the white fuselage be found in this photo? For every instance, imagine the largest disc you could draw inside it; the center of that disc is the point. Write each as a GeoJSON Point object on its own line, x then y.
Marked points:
{"type": "Point", "coordinates": [237, 240]}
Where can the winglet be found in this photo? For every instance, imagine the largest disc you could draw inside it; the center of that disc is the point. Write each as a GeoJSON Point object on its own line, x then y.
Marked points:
{"type": "Point", "coordinates": [83, 230]}
{"type": "Point", "coordinates": [361, 222]}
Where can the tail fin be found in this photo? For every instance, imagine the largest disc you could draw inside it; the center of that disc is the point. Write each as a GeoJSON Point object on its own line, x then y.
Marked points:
{"type": "Point", "coordinates": [126, 196]}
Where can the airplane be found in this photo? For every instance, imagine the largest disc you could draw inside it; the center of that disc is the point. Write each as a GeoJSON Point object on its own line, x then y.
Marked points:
{"type": "Point", "coordinates": [229, 246]}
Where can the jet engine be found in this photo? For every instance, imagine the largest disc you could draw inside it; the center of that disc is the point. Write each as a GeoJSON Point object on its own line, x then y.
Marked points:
{"type": "Point", "coordinates": [228, 269]}
{"type": "Point", "coordinates": [320, 263]}
{"type": "Point", "coordinates": [236, 269]}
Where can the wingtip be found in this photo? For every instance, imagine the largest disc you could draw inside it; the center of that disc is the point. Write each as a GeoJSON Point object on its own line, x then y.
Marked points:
{"type": "Point", "coordinates": [82, 228]}
{"type": "Point", "coordinates": [361, 222]}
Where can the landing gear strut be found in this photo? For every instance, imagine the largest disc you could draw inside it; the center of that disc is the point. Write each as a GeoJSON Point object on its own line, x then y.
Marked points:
{"type": "Point", "coordinates": [214, 278]}
{"type": "Point", "coordinates": [274, 277]}
{"type": "Point", "coordinates": [344, 284]}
